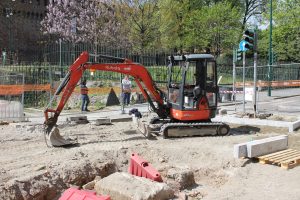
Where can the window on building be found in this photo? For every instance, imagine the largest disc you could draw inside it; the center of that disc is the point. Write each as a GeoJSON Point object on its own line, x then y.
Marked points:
{"type": "Point", "coordinates": [46, 2]}
{"type": "Point", "coordinates": [38, 2]}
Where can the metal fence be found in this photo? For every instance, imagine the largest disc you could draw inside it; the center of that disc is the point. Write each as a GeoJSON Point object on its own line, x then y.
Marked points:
{"type": "Point", "coordinates": [279, 72]}
{"type": "Point", "coordinates": [46, 73]}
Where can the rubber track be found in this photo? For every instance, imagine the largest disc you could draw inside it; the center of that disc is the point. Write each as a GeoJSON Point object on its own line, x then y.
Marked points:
{"type": "Point", "coordinates": [190, 124]}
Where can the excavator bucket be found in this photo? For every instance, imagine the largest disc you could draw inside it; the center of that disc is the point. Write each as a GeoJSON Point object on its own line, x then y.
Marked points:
{"type": "Point", "coordinates": [143, 128]}
{"type": "Point", "coordinates": [56, 140]}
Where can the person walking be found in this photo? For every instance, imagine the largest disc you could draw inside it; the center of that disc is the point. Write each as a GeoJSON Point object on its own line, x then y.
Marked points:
{"type": "Point", "coordinates": [84, 96]}
{"type": "Point", "coordinates": [126, 90]}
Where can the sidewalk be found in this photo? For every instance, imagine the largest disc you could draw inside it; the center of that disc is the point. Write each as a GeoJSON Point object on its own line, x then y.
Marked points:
{"type": "Point", "coordinates": [279, 104]}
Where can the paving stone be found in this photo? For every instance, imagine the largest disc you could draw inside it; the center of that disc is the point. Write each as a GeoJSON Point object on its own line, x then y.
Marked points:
{"type": "Point", "coordinates": [78, 118]}
{"type": "Point", "coordinates": [124, 186]}
{"type": "Point", "coordinates": [121, 119]}
{"type": "Point", "coordinates": [102, 121]}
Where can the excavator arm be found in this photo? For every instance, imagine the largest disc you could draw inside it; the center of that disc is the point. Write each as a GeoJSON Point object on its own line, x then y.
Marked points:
{"type": "Point", "coordinates": [140, 74]}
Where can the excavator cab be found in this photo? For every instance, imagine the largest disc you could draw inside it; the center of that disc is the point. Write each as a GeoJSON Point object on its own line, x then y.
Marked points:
{"type": "Point", "coordinates": [192, 87]}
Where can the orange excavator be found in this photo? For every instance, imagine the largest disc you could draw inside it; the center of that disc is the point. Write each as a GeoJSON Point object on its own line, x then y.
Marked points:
{"type": "Point", "coordinates": [185, 108]}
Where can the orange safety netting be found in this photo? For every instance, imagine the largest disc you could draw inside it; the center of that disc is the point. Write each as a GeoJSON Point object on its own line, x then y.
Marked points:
{"type": "Point", "coordinates": [102, 90]}
{"type": "Point", "coordinates": [291, 83]}
{"type": "Point", "coordinates": [19, 89]}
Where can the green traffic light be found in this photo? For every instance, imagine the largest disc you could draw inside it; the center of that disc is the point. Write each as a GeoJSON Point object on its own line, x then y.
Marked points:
{"type": "Point", "coordinates": [249, 38]}
{"type": "Point", "coordinates": [238, 55]}
{"type": "Point", "coordinates": [249, 46]}
{"type": "Point", "coordinates": [250, 33]}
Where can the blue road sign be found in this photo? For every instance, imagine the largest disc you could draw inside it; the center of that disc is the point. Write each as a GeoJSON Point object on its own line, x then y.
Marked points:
{"type": "Point", "coordinates": [242, 45]}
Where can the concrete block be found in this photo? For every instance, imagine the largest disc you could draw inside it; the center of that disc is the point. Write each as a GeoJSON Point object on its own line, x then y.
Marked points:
{"type": "Point", "coordinates": [294, 125]}
{"type": "Point", "coordinates": [184, 177]}
{"type": "Point", "coordinates": [78, 120]}
{"type": "Point", "coordinates": [222, 112]}
{"type": "Point", "coordinates": [240, 150]}
{"type": "Point", "coordinates": [266, 146]}
{"type": "Point", "coordinates": [102, 121]}
{"type": "Point", "coordinates": [124, 186]}
{"type": "Point", "coordinates": [121, 119]}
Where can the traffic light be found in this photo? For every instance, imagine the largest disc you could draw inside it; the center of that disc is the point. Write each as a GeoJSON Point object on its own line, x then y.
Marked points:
{"type": "Point", "coordinates": [249, 37]}
{"type": "Point", "coordinates": [238, 54]}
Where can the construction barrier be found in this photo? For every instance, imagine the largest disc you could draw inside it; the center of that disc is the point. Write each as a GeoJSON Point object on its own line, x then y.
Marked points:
{"type": "Point", "coordinates": [235, 92]}
{"type": "Point", "coordinates": [139, 167]}
{"type": "Point", "coordinates": [290, 83]}
{"type": "Point", "coordinates": [75, 194]}
{"type": "Point", "coordinates": [19, 89]}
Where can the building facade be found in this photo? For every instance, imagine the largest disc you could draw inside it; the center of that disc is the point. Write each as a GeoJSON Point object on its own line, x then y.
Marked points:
{"type": "Point", "coordinates": [20, 34]}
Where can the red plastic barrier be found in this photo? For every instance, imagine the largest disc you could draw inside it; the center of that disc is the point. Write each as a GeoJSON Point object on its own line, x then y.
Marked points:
{"type": "Point", "coordinates": [75, 194]}
{"type": "Point", "coordinates": [139, 167]}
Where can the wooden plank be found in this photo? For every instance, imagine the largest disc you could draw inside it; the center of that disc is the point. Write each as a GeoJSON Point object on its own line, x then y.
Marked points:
{"type": "Point", "coordinates": [296, 159]}
{"type": "Point", "coordinates": [290, 165]}
{"type": "Point", "coordinates": [284, 157]}
{"type": "Point", "coordinates": [276, 153]}
{"type": "Point", "coordinates": [266, 157]}
{"type": "Point", "coordinates": [263, 161]}
{"type": "Point", "coordinates": [281, 155]}
{"type": "Point", "coordinates": [287, 157]}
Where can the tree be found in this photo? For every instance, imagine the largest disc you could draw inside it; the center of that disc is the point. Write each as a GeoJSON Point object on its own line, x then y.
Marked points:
{"type": "Point", "coordinates": [139, 18]}
{"type": "Point", "coordinates": [286, 34]}
{"type": "Point", "coordinates": [213, 27]}
{"type": "Point", "coordinates": [286, 31]}
{"type": "Point", "coordinates": [82, 21]}
{"type": "Point", "coordinates": [172, 21]}
{"type": "Point", "coordinates": [250, 9]}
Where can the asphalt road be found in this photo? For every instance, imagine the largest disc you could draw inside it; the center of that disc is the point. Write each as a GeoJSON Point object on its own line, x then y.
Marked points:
{"type": "Point", "coordinates": [282, 101]}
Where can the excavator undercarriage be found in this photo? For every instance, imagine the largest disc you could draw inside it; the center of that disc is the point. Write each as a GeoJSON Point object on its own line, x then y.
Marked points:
{"type": "Point", "coordinates": [169, 129]}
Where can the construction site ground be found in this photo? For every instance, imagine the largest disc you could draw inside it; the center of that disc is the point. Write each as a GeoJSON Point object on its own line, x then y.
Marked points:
{"type": "Point", "coordinates": [31, 170]}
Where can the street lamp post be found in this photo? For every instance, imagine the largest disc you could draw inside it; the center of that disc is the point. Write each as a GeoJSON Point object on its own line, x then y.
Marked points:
{"type": "Point", "coordinates": [9, 14]}
{"type": "Point", "coordinates": [270, 69]}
